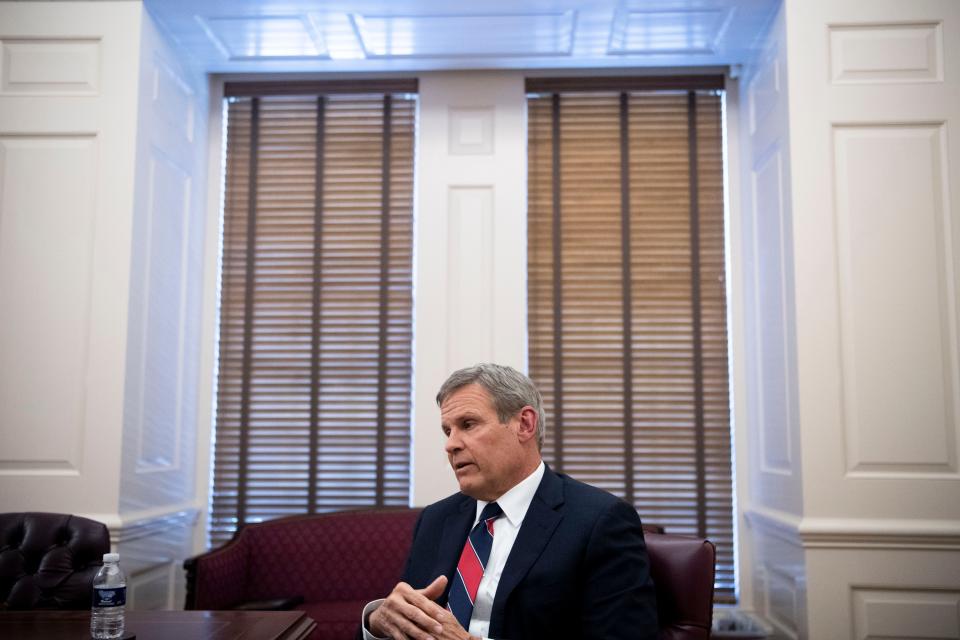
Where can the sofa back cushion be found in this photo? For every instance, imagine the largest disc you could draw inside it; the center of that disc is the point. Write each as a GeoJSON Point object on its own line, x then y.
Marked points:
{"type": "Point", "coordinates": [349, 555]}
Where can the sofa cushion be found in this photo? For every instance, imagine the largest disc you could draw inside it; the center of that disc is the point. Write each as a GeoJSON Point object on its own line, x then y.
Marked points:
{"type": "Point", "coordinates": [337, 557]}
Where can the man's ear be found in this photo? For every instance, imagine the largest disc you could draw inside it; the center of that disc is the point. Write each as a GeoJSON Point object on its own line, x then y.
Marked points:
{"type": "Point", "coordinates": [527, 429]}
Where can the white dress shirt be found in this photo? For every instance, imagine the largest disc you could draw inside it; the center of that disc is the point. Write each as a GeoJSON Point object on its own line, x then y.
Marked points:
{"type": "Point", "coordinates": [515, 504]}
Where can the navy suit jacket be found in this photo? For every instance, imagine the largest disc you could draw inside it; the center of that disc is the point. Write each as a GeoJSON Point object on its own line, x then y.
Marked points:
{"type": "Point", "coordinates": [578, 569]}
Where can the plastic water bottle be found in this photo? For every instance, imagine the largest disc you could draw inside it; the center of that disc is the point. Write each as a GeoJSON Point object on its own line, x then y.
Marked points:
{"type": "Point", "coordinates": [109, 598]}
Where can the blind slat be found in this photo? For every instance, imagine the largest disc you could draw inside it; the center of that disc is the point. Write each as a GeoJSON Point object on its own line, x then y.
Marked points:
{"type": "Point", "coordinates": [317, 276]}
{"type": "Point", "coordinates": [638, 395]}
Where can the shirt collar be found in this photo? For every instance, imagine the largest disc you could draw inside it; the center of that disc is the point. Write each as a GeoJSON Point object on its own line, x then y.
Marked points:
{"type": "Point", "coordinates": [516, 501]}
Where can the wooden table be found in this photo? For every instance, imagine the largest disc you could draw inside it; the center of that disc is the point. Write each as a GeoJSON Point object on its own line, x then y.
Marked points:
{"type": "Point", "coordinates": [162, 625]}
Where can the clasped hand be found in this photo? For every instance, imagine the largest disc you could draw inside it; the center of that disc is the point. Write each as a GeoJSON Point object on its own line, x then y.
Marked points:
{"type": "Point", "coordinates": [413, 614]}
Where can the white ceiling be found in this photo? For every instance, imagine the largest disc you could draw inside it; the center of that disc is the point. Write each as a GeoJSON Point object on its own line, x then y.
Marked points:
{"type": "Point", "coordinates": [415, 35]}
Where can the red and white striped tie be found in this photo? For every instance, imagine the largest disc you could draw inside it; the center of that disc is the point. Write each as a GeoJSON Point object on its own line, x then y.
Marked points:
{"type": "Point", "coordinates": [473, 561]}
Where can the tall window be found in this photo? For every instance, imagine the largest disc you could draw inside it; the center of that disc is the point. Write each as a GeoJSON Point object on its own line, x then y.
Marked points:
{"type": "Point", "coordinates": [313, 396]}
{"type": "Point", "coordinates": [627, 308]}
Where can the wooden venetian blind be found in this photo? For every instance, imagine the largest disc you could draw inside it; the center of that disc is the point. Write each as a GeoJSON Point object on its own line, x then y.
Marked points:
{"type": "Point", "coordinates": [313, 393]}
{"type": "Point", "coordinates": [627, 309]}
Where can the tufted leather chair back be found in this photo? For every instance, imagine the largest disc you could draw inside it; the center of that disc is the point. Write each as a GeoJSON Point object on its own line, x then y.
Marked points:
{"type": "Point", "coordinates": [49, 560]}
{"type": "Point", "coordinates": [683, 570]}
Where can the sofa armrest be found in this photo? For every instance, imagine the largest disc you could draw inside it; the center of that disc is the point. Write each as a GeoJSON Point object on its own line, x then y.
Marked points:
{"type": "Point", "coordinates": [217, 579]}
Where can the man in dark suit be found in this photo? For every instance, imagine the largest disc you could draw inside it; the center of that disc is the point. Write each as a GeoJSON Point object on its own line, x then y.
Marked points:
{"type": "Point", "coordinates": [521, 552]}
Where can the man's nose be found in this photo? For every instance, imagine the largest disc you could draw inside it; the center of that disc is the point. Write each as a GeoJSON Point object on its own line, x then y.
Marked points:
{"type": "Point", "coordinates": [453, 443]}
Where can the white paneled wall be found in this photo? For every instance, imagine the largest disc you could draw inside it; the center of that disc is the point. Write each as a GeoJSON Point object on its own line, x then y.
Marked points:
{"type": "Point", "coordinates": [775, 462]}
{"type": "Point", "coordinates": [101, 236]}
{"type": "Point", "coordinates": [850, 147]}
{"type": "Point", "coordinates": [896, 290]}
{"type": "Point", "coordinates": [876, 148]}
{"type": "Point", "coordinates": [874, 103]}
{"type": "Point", "coordinates": [158, 496]}
{"type": "Point", "coordinates": [470, 288]}
{"type": "Point", "coordinates": [773, 499]}
{"type": "Point", "coordinates": [68, 104]}
{"type": "Point", "coordinates": [845, 296]}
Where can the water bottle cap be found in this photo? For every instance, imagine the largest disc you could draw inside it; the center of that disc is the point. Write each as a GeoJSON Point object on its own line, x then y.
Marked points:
{"type": "Point", "coordinates": [111, 557]}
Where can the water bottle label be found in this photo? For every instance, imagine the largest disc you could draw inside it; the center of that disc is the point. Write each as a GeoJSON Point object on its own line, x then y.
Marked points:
{"type": "Point", "coordinates": [109, 597]}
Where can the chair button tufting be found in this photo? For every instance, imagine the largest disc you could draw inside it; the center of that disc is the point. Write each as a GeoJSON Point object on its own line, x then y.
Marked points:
{"type": "Point", "coordinates": [62, 547]}
{"type": "Point", "coordinates": [17, 535]}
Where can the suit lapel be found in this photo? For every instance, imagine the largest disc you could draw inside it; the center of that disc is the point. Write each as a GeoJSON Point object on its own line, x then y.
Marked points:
{"type": "Point", "coordinates": [538, 525]}
{"type": "Point", "coordinates": [456, 527]}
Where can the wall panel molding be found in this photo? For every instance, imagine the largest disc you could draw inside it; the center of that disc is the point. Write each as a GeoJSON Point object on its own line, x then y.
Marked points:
{"type": "Point", "coordinates": [855, 533]}
{"type": "Point", "coordinates": [50, 66]}
{"type": "Point", "coordinates": [779, 571]}
{"type": "Point", "coordinates": [174, 102]}
{"type": "Point", "coordinates": [470, 300]}
{"type": "Point", "coordinates": [850, 533]}
{"type": "Point", "coordinates": [897, 301]}
{"type": "Point", "coordinates": [145, 523]}
{"type": "Point", "coordinates": [773, 377]}
{"type": "Point", "coordinates": [921, 614]}
{"type": "Point", "coordinates": [45, 344]}
{"type": "Point", "coordinates": [886, 53]}
{"type": "Point", "coordinates": [883, 594]}
{"type": "Point", "coordinates": [785, 587]}
{"type": "Point", "coordinates": [471, 131]}
{"type": "Point", "coordinates": [780, 524]}
{"type": "Point", "coordinates": [139, 527]}
{"type": "Point", "coordinates": [163, 290]}
{"type": "Point", "coordinates": [764, 93]}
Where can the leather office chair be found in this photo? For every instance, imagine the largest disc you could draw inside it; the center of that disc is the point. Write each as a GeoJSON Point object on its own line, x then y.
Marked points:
{"type": "Point", "coordinates": [49, 560]}
{"type": "Point", "coordinates": [683, 571]}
